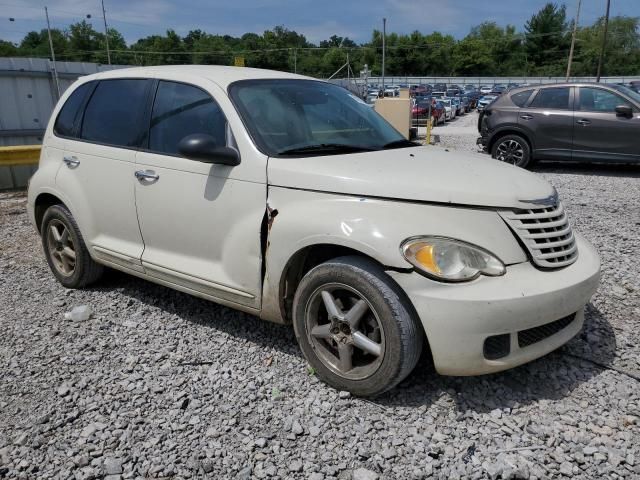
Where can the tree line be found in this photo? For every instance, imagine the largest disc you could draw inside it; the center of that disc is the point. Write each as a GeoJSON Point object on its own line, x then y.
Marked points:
{"type": "Point", "coordinates": [540, 49]}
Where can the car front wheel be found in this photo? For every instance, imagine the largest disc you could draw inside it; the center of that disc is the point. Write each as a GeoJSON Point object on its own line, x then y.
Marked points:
{"type": "Point", "coordinates": [355, 326]}
{"type": "Point", "coordinates": [512, 149]}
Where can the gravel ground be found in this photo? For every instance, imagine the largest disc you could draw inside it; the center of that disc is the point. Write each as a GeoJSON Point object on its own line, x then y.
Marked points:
{"type": "Point", "coordinates": [160, 384]}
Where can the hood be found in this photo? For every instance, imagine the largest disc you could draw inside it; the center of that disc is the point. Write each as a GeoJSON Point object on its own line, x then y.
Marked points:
{"type": "Point", "coordinates": [427, 174]}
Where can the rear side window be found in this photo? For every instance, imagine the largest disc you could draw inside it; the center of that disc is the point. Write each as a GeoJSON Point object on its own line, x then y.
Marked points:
{"type": "Point", "coordinates": [69, 116]}
{"type": "Point", "coordinates": [552, 98]}
{"type": "Point", "coordinates": [180, 110]}
{"type": "Point", "coordinates": [114, 111]}
{"type": "Point", "coordinates": [521, 98]}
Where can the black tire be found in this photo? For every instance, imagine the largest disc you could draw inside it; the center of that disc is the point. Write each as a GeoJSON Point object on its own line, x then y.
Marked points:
{"type": "Point", "coordinates": [399, 327]}
{"type": "Point", "coordinates": [512, 149]}
{"type": "Point", "coordinates": [85, 271]}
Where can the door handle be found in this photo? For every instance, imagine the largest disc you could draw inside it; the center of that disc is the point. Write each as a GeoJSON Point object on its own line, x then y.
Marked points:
{"type": "Point", "coordinates": [146, 175]}
{"type": "Point", "coordinates": [584, 122]}
{"type": "Point", "coordinates": [71, 162]}
{"type": "Point", "coordinates": [526, 116]}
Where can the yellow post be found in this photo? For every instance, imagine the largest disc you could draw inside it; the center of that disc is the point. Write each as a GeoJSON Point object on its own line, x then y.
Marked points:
{"type": "Point", "coordinates": [428, 138]}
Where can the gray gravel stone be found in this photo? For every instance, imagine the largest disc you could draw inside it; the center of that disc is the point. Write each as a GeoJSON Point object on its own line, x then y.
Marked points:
{"type": "Point", "coordinates": [364, 474]}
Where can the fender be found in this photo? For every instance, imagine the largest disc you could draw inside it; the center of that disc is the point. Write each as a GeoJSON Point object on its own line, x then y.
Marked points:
{"type": "Point", "coordinates": [374, 227]}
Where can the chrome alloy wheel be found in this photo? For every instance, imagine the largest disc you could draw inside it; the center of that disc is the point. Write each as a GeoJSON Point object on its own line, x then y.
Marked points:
{"type": "Point", "coordinates": [345, 331]}
{"type": "Point", "coordinates": [61, 248]}
{"type": "Point", "coordinates": [510, 151]}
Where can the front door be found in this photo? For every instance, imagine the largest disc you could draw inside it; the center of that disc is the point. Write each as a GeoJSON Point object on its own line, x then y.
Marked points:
{"type": "Point", "coordinates": [99, 164]}
{"type": "Point", "coordinates": [548, 120]}
{"type": "Point", "coordinates": [599, 133]}
{"type": "Point", "coordinates": [200, 221]}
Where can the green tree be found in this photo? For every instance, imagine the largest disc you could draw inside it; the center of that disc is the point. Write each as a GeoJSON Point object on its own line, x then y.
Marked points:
{"type": "Point", "coordinates": [546, 43]}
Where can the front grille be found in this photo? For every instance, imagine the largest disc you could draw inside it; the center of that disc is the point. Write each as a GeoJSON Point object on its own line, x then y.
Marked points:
{"type": "Point", "coordinates": [537, 334]}
{"type": "Point", "coordinates": [546, 233]}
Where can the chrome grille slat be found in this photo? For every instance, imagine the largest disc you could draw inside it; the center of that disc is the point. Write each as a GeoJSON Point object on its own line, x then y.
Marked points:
{"type": "Point", "coordinates": [538, 216]}
{"type": "Point", "coordinates": [546, 233]}
{"type": "Point", "coordinates": [558, 233]}
{"type": "Point", "coordinates": [556, 223]}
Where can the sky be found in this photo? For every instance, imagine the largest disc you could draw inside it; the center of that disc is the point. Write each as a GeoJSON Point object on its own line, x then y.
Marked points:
{"type": "Point", "coordinates": [316, 19]}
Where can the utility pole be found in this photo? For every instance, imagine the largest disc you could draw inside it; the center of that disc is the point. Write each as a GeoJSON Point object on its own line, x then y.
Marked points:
{"type": "Point", "coordinates": [604, 41]}
{"type": "Point", "coordinates": [295, 60]}
{"type": "Point", "coordinates": [106, 32]}
{"type": "Point", "coordinates": [384, 48]}
{"type": "Point", "coordinates": [573, 40]}
{"type": "Point", "coordinates": [53, 54]}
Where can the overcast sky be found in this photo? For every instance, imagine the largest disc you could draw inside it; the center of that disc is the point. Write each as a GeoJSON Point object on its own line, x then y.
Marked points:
{"type": "Point", "coordinates": [316, 19]}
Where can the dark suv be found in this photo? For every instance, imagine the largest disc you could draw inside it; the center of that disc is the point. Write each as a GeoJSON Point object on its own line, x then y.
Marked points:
{"type": "Point", "coordinates": [568, 121]}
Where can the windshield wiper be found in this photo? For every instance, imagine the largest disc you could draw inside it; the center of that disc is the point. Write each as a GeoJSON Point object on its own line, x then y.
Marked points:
{"type": "Point", "coordinates": [326, 147]}
{"type": "Point", "coordinates": [400, 144]}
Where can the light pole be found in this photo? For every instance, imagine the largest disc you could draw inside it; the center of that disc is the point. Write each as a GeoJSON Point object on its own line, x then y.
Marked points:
{"type": "Point", "coordinates": [106, 32]}
{"type": "Point", "coordinates": [384, 45]}
{"type": "Point", "coordinates": [604, 41]}
{"type": "Point", "coordinates": [573, 40]}
{"type": "Point", "coordinates": [53, 54]}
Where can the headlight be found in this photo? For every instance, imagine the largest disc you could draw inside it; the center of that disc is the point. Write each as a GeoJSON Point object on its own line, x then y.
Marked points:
{"type": "Point", "coordinates": [450, 260]}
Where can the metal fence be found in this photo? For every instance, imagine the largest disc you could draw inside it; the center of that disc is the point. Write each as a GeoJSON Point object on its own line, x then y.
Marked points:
{"type": "Point", "coordinates": [471, 80]}
{"type": "Point", "coordinates": [28, 94]}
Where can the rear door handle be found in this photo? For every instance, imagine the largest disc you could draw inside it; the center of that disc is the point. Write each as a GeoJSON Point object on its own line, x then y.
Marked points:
{"type": "Point", "coordinates": [584, 122]}
{"type": "Point", "coordinates": [71, 162]}
{"type": "Point", "coordinates": [526, 116]}
{"type": "Point", "coordinates": [146, 175]}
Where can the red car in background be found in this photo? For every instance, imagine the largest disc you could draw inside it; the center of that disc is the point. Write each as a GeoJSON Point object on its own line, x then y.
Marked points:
{"type": "Point", "coordinates": [420, 111]}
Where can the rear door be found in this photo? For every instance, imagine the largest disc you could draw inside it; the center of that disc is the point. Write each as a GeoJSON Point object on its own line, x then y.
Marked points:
{"type": "Point", "coordinates": [599, 133]}
{"type": "Point", "coordinates": [548, 119]}
{"type": "Point", "coordinates": [97, 176]}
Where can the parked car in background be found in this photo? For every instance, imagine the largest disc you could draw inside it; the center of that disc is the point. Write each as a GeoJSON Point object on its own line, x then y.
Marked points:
{"type": "Point", "coordinates": [571, 121]}
{"type": "Point", "coordinates": [449, 108]}
{"type": "Point", "coordinates": [438, 113]}
{"type": "Point", "coordinates": [269, 193]}
{"type": "Point", "coordinates": [440, 87]}
{"type": "Point", "coordinates": [484, 101]}
{"type": "Point", "coordinates": [486, 89]}
{"type": "Point", "coordinates": [498, 89]}
{"type": "Point", "coordinates": [457, 104]}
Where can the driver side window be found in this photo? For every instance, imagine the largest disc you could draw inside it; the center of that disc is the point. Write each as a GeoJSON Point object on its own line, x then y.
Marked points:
{"type": "Point", "coordinates": [180, 110]}
{"type": "Point", "coordinates": [598, 100]}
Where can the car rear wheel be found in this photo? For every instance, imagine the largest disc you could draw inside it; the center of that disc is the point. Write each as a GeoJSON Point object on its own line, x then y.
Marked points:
{"type": "Point", "coordinates": [512, 149]}
{"type": "Point", "coordinates": [65, 250]}
{"type": "Point", "coordinates": [356, 327]}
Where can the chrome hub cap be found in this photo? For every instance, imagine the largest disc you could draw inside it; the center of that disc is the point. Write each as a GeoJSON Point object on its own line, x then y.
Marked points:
{"type": "Point", "coordinates": [61, 248]}
{"type": "Point", "coordinates": [510, 151]}
{"type": "Point", "coordinates": [344, 330]}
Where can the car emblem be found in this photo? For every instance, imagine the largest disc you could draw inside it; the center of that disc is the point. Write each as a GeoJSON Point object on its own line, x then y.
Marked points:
{"type": "Point", "coordinates": [549, 201]}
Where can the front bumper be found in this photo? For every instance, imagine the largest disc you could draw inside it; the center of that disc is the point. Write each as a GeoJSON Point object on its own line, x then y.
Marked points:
{"type": "Point", "coordinates": [458, 318]}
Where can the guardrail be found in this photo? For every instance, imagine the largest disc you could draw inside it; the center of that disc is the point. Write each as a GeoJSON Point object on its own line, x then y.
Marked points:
{"type": "Point", "coordinates": [19, 155]}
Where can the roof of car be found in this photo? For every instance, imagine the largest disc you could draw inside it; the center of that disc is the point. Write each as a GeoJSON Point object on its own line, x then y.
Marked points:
{"type": "Point", "coordinates": [563, 84]}
{"type": "Point", "coordinates": [222, 75]}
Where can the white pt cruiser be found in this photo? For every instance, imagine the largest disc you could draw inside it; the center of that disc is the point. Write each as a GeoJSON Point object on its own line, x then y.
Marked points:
{"type": "Point", "coordinates": [290, 199]}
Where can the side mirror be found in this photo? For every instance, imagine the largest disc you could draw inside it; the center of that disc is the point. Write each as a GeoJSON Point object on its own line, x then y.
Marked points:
{"type": "Point", "coordinates": [204, 148]}
{"type": "Point", "coordinates": [624, 111]}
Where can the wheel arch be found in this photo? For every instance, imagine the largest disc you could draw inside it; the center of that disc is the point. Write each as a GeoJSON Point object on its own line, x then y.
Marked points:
{"type": "Point", "coordinates": [301, 262]}
{"type": "Point", "coordinates": [511, 130]}
{"type": "Point", "coordinates": [42, 203]}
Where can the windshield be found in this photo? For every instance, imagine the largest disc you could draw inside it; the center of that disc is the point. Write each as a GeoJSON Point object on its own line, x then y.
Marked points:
{"type": "Point", "coordinates": [286, 117]}
{"type": "Point", "coordinates": [628, 92]}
